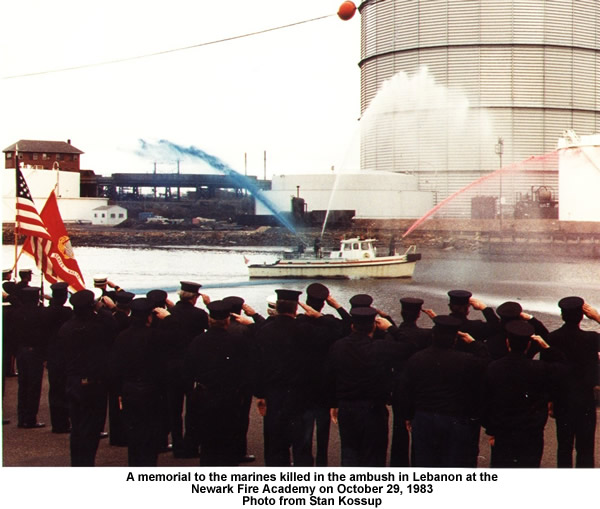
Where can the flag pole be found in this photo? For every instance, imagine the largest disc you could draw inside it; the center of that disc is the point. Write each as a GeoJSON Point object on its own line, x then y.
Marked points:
{"type": "Point", "coordinates": [16, 213]}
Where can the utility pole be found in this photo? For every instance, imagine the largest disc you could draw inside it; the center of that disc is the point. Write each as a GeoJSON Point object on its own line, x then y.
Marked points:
{"type": "Point", "coordinates": [500, 151]}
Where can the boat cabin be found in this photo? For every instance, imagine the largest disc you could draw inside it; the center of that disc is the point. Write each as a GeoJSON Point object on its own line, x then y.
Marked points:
{"type": "Point", "coordinates": [355, 249]}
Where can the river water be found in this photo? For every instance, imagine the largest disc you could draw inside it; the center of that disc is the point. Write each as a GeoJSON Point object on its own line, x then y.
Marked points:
{"type": "Point", "coordinates": [536, 284]}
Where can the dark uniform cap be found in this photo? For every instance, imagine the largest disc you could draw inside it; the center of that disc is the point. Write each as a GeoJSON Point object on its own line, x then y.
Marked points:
{"type": "Point", "coordinates": [235, 303]}
{"type": "Point", "coordinates": [189, 286]}
{"type": "Point", "coordinates": [317, 291]}
{"type": "Point", "coordinates": [124, 298]}
{"type": "Point", "coordinates": [292, 295]}
{"type": "Point", "coordinates": [411, 303]}
{"type": "Point", "coordinates": [141, 306]}
{"type": "Point", "coordinates": [446, 324]}
{"type": "Point", "coordinates": [158, 298]}
{"type": "Point", "coordinates": [6, 273]}
{"type": "Point", "coordinates": [571, 303]}
{"type": "Point", "coordinates": [30, 294]}
{"type": "Point", "coordinates": [363, 314]}
{"type": "Point", "coordinates": [25, 272]}
{"type": "Point", "coordinates": [509, 310]}
{"type": "Point", "coordinates": [459, 297]}
{"type": "Point", "coordinates": [218, 309]}
{"type": "Point", "coordinates": [83, 299]}
{"type": "Point", "coordinates": [362, 300]}
{"type": "Point", "coordinates": [519, 329]}
{"type": "Point", "coordinates": [59, 289]}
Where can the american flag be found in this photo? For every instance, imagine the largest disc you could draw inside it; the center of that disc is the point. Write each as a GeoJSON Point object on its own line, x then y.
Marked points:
{"type": "Point", "coordinates": [28, 221]}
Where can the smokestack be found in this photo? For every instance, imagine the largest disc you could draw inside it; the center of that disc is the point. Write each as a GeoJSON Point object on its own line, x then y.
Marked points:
{"type": "Point", "coordinates": [69, 141]}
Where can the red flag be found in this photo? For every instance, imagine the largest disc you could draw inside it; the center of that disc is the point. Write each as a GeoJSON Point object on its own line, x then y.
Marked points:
{"type": "Point", "coordinates": [55, 257]}
{"type": "Point", "coordinates": [27, 220]}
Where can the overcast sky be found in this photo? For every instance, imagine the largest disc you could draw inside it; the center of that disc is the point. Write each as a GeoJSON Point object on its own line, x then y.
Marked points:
{"type": "Point", "coordinates": [293, 92]}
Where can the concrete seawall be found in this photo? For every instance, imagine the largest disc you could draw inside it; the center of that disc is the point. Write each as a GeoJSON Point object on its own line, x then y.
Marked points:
{"type": "Point", "coordinates": [519, 237]}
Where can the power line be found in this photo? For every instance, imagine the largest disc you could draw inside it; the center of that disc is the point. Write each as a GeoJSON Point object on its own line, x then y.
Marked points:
{"type": "Point", "coordinates": [165, 52]}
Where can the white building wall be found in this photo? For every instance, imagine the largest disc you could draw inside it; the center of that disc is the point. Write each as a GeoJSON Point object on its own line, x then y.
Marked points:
{"type": "Point", "coordinates": [579, 179]}
{"type": "Point", "coordinates": [41, 183]}
{"type": "Point", "coordinates": [108, 215]}
{"type": "Point", "coordinates": [374, 195]}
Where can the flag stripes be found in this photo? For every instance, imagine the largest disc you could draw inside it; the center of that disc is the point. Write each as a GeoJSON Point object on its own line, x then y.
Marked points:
{"type": "Point", "coordinates": [27, 220]}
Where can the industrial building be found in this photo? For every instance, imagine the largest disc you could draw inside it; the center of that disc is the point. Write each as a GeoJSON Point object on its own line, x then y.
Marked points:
{"type": "Point", "coordinates": [453, 89]}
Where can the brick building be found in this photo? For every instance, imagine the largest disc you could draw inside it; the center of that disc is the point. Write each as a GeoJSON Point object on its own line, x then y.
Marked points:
{"type": "Point", "coordinates": [43, 155]}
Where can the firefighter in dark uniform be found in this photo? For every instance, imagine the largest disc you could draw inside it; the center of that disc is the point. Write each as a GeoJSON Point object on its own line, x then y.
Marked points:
{"type": "Point", "coordinates": [509, 311]}
{"type": "Point", "coordinates": [361, 371]}
{"type": "Point", "coordinates": [245, 332]}
{"type": "Point", "coordinates": [460, 303]}
{"type": "Point", "coordinates": [25, 276]}
{"type": "Point", "coordinates": [190, 321]}
{"type": "Point", "coordinates": [440, 385]}
{"type": "Point", "coordinates": [31, 354]}
{"type": "Point", "coordinates": [285, 351]}
{"type": "Point", "coordinates": [138, 364]}
{"type": "Point", "coordinates": [516, 395]}
{"type": "Point", "coordinates": [10, 318]}
{"type": "Point", "coordinates": [420, 338]}
{"type": "Point", "coordinates": [317, 414]}
{"type": "Point", "coordinates": [84, 342]}
{"type": "Point", "coordinates": [122, 311]}
{"type": "Point", "coordinates": [363, 300]}
{"type": "Point", "coordinates": [53, 317]}
{"type": "Point", "coordinates": [214, 365]}
{"type": "Point", "coordinates": [574, 405]}
{"type": "Point", "coordinates": [116, 425]}
{"type": "Point", "coordinates": [160, 299]}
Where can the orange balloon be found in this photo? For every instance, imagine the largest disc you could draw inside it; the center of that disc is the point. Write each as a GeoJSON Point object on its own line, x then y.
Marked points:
{"type": "Point", "coordinates": [346, 10]}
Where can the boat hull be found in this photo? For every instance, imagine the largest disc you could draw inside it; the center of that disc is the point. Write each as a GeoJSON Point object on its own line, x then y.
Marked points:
{"type": "Point", "coordinates": [381, 267]}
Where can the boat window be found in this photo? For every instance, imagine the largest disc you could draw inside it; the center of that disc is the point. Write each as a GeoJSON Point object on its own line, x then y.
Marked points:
{"type": "Point", "coordinates": [355, 245]}
{"type": "Point", "coordinates": [347, 247]}
{"type": "Point", "coordinates": [366, 246]}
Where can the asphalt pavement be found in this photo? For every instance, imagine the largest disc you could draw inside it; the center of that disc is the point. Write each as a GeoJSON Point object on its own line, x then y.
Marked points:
{"type": "Point", "coordinates": [42, 448]}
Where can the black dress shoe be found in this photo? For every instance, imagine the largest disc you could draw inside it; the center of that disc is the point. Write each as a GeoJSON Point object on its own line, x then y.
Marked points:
{"type": "Point", "coordinates": [32, 425]}
{"type": "Point", "coordinates": [103, 434]}
{"type": "Point", "coordinates": [249, 458]}
{"type": "Point", "coordinates": [166, 448]}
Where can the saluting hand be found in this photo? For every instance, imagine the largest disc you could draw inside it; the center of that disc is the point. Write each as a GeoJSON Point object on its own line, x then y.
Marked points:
{"type": "Point", "coordinates": [540, 341]}
{"type": "Point", "coordinates": [248, 310]}
{"type": "Point", "coordinates": [333, 415]}
{"type": "Point", "coordinates": [244, 320]}
{"type": "Point", "coordinates": [465, 336]}
{"type": "Point", "coordinates": [429, 312]}
{"type": "Point", "coordinates": [108, 302]}
{"type": "Point", "coordinates": [261, 405]}
{"type": "Point", "coordinates": [313, 313]}
{"type": "Point", "coordinates": [160, 313]}
{"type": "Point", "coordinates": [205, 299]}
{"type": "Point", "coordinates": [477, 304]}
{"type": "Point", "coordinates": [590, 312]}
{"type": "Point", "coordinates": [382, 323]}
{"type": "Point", "coordinates": [332, 302]}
